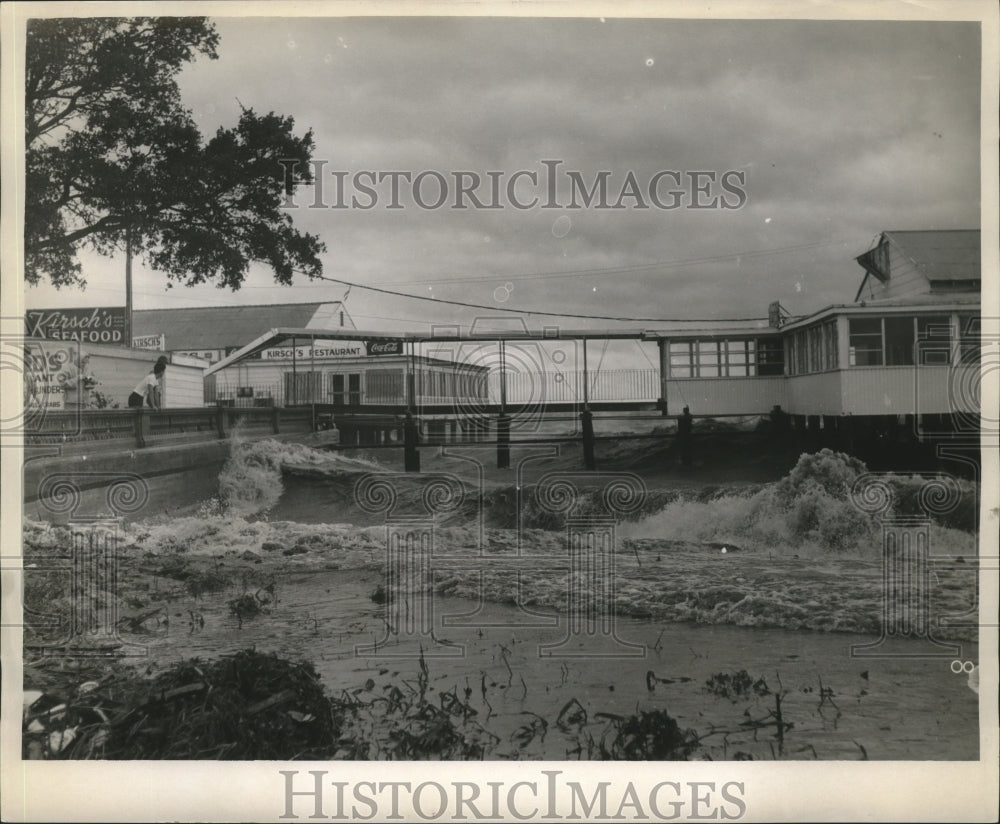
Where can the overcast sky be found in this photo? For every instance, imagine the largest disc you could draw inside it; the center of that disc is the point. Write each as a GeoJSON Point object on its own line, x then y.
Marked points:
{"type": "Point", "coordinates": [842, 130]}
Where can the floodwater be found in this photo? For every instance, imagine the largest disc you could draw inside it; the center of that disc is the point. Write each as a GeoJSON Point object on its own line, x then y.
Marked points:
{"type": "Point", "coordinates": [840, 707]}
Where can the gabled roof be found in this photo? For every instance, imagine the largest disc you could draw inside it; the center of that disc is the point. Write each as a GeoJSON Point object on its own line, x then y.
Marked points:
{"type": "Point", "coordinates": [943, 254]}
{"type": "Point", "coordinates": [218, 327]}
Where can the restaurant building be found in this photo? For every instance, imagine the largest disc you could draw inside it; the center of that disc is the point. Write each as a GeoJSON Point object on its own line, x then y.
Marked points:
{"type": "Point", "coordinates": [338, 371]}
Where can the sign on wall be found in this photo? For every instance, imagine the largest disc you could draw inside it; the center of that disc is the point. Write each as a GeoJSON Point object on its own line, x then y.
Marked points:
{"type": "Point", "coordinates": [321, 350]}
{"type": "Point", "coordinates": [155, 342]}
{"type": "Point", "coordinates": [210, 355]}
{"type": "Point", "coordinates": [99, 325]}
{"type": "Point", "coordinates": [384, 347]}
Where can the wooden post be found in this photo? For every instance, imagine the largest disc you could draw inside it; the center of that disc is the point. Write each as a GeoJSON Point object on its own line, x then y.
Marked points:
{"type": "Point", "coordinates": [587, 419]}
{"type": "Point", "coordinates": [411, 455]}
{"type": "Point", "coordinates": [128, 287]}
{"type": "Point", "coordinates": [503, 441]}
{"type": "Point", "coordinates": [664, 348]}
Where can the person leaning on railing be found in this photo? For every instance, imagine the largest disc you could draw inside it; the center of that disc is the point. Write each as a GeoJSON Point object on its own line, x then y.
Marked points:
{"type": "Point", "coordinates": [148, 389]}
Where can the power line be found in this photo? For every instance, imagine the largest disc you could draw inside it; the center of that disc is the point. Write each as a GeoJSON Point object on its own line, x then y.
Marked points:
{"type": "Point", "coordinates": [351, 284]}
{"type": "Point", "coordinates": [532, 311]}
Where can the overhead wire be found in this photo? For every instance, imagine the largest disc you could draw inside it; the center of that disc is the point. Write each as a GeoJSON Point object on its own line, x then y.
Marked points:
{"type": "Point", "coordinates": [538, 312]}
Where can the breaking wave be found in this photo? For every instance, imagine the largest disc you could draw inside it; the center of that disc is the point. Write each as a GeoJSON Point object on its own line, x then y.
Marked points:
{"type": "Point", "coordinates": [810, 510]}
{"type": "Point", "coordinates": [251, 481]}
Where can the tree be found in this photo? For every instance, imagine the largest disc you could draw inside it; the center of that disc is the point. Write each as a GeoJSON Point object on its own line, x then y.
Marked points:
{"type": "Point", "coordinates": [112, 152]}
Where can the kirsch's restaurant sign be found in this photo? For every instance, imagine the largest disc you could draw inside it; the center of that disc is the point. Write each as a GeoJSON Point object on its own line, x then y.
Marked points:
{"type": "Point", "coordinates": [100, 325]}
{"type": "Point", "coordinates": [332, 350]}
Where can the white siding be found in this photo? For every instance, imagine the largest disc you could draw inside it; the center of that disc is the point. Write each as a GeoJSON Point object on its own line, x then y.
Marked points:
{"type": "Point", "coordinates": [265, 376]}
{"type": "Point", "coordinates": [901, 390]}
{"type": "Point", "coordinates": [817, 394]}
{"type": "Point", "coordinates": [904, 278]}
{"type": "Point", "coordinates": [183, 386]}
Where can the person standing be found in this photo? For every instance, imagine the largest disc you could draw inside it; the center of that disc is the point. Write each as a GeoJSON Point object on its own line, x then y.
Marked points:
{"type": "Point", "coordinates": [148, 389]}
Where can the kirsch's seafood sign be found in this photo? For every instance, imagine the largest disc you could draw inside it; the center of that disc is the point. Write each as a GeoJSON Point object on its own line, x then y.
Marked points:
{"type": "Point", "coordinates": [100, 325]}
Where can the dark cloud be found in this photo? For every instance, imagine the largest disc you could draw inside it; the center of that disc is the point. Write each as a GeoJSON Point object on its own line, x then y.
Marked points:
{"type": "Point", "coordinates": [842, 129]}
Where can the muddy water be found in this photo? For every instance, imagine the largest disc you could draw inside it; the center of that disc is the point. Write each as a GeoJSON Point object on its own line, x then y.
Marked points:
{"type": "Point", "coordinates": [895, 708]}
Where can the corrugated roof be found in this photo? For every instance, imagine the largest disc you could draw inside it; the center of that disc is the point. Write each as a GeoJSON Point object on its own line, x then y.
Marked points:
{"type": "Point", "coordinates": [216, 327]}
{"type": "Point", "coordinates": [943, 254]}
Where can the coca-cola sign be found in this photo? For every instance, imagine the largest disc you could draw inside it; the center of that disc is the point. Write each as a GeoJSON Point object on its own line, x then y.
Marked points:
{"type": "Point", "coordinates": [384, 347]}
{"type": "Point", "coordinates": [100, 325]}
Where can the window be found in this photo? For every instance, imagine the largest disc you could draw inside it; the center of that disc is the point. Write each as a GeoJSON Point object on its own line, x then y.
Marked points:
{"type": "Point", "coordinates": [345, 388]}
{"type": "Point", "coordinates": [815, 336]}
{"type": "Point", "coordinates": [899, 337]}
{"type": "Point", "coordinates": [708, 359]}
{"type": "Point", "coordinates": [969, 338]}
{"type": "Point", "coordinates": [737, 358]}
{"type": "Point", "coordinates": [681, 359]}
{"type": "Point", "coordinates": [865, 341]}
{"type": "Point", "coordinates": [770, 356]}
{"type": "Point", "coordinates": [893, 340]}
{"type": "Point", "coordinates": [337, 388]}
{"type": "Point", "coordinates": [807, 351]}
{"type": "Point", "coordinates": [934, 340]}
{"type": "Point", "coordinates": [831, 345]}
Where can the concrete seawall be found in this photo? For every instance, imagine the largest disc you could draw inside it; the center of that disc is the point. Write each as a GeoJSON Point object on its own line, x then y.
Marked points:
{"type": "Point", "coordinates": [133, 484]}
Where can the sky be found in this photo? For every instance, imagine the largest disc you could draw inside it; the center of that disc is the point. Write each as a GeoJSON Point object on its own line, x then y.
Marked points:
{"type": "Point", "coordinates": [834, 132]}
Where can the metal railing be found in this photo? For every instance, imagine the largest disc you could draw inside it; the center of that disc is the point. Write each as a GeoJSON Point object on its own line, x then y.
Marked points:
{"type": "Point", "coordinates": [253, 396]}
{"type": "Point", "coordinates": [558, 387]}
{"type": "Point", "coordinates": [73, 430]}
{"type": "Point", "coordinates": [521, 387]}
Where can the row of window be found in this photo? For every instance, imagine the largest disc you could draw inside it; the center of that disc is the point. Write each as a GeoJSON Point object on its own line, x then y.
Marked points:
{"type": "Point", "coordinates": [730, 358]}
{"type": "Point", "coordinates": [381, 386]}
{"type": "Point", "coordinates": [814, 349]}
{"type": "Point", "coordinates": [884, 341]}
{"type": "Point", "coordinates": [898, 341]}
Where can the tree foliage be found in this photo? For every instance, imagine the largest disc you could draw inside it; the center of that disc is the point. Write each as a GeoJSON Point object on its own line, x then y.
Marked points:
{"type": "Point", "coordinates": [112, 150]}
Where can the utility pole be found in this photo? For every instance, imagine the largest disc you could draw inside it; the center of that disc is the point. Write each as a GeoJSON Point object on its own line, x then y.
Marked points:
{"type": "Point", "coordinates": [128, 285]}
